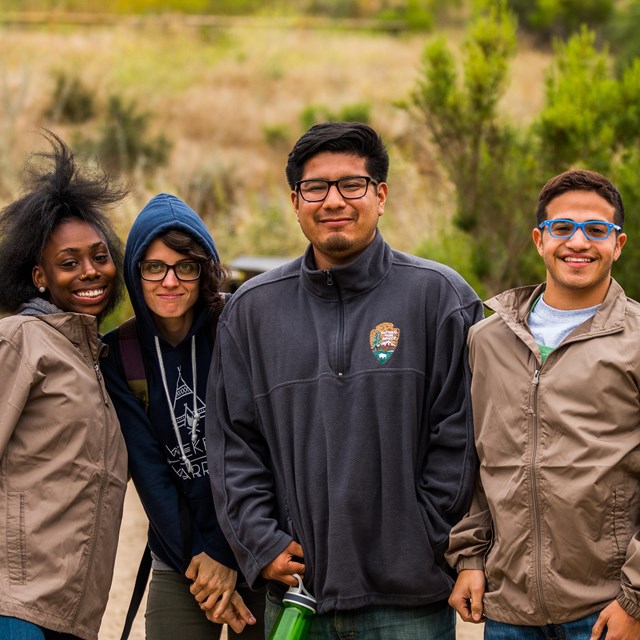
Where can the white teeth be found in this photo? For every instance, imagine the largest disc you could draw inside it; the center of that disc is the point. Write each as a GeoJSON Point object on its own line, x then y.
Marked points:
{"type": "Point", "coordinates": [94, 293]}
{"type": "Point", "coordinates": [577, 259]}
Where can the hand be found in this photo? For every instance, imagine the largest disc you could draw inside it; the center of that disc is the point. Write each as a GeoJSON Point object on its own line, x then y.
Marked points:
{"type": "Point", "coordinates": [620, 625]}
{"type": "Point", "coordinates": [466, 597]}
{"type": "Point", "coordinates": [236, 614]}
{"type": "Point", "coordinates": [212, 581]}
{"type": "Point", "coordinates": [283, 566]}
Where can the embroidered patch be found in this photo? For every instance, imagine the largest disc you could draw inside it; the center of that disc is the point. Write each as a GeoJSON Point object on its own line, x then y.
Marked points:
{"type": "Point", "coordinates": [383, 341]}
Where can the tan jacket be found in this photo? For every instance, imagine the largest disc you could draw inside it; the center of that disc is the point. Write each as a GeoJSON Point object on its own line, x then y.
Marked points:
{"type": "Point", "coordinates": [63, 473]}
{"type": "Point", "coordinates": [559, 446]}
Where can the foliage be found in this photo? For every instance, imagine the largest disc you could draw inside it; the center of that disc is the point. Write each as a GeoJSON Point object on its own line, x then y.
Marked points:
{"type": "Point", "coordinates": [276, 135]}
{"type": "Point", "coordinates": [490, 163]}
{"type": "Point", "coordinates": [214, 192]}
{"type": "Point", "coordinates": [72, 102]}
{"type": "Point", "coordinates": [590, 119]}
{"type": "Point", "coordinates": [125, 143]}
{"type": "Point", "coordinates": [622, 34]}
{"type": "Point", "coordinates": [416, 14]}
{"type": "Point", "coordinates": [561, 18]}
{"type": "Point", "coordinates": [316, 113]}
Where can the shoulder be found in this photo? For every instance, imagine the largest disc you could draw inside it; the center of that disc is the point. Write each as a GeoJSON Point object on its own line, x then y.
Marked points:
{"type": "Point", "coordinates": [264, 284]}
{"type": "Point", "coordinates": [14, 328]}
{"type": "Point", "coordinates": [435, 276]}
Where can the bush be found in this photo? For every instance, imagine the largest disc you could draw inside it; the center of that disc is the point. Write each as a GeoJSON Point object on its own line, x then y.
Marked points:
{"type": "Point", "coordinates": [355, 112]}
{"type": "Point", "coordinates": [561, 18]}
{"type": "Point", "coordinates": [124, 143]}
{"type": "Point", "coordinates": [72, 101]}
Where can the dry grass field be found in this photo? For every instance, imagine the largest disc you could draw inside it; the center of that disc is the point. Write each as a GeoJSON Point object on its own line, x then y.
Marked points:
{"type": "Point", "coordinates": [231, 101]}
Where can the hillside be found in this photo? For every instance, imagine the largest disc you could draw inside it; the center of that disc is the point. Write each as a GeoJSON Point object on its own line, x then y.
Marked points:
{"type": "Point", "coordinates": [231, 103]}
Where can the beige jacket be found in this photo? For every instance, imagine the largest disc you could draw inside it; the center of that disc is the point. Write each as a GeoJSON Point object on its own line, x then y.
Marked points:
{"type": "Point", "coordinates": [557, 526]}
{"type": "Point", "coordinates": [63, 473]}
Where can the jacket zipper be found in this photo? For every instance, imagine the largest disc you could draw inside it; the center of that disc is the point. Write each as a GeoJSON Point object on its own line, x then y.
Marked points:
{"type": "Point", "coordinates": [101, 491]}
{"type": "Point", "coordinates": [340, 333]}
{"type": "Point", "coordinates": [534, 498]}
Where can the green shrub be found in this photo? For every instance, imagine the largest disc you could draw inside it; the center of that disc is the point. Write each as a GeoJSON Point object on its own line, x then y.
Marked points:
{"type": "Point", "coordinates": [561, 18]}
{"type": "Point", "coordinates": [276, 135]}
{"type": "Point", "coordinates": [124, 143]}
{"type": "Point", "coordinates": [355, 112]}
{"type": "Point", "coordinates": [72, 102]}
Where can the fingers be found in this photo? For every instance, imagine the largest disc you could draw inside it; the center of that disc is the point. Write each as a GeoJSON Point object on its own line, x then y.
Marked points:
{"type": "Point", "coordinates": [283, 567]}
{"type": "Point", "coordinates": [242, 611]}
{"type": "Point", "coordinates": [295, 549]}
{"type": "Point", "coordinates": [236, 615]}
{"type": "Point", "coordinates": [598, 627]}
{"type": "Point", "coordinates": [192, 569]}
{"type": "Point", "coordinates": [466, 597]}
{"type": "Point", "coordinates": [220, 605]}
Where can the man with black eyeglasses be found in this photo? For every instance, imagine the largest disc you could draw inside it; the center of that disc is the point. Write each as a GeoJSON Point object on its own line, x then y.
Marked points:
{"type": "Point", "coordinates": [551, 546]}
{"type": "Point", "coordinates": [343, 446]}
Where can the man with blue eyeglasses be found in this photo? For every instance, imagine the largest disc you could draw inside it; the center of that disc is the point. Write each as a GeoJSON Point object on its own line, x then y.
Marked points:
{"type": "Point", "coordinates": [551, 545]}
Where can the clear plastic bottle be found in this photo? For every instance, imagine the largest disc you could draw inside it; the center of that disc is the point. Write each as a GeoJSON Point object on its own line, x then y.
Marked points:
{"type": "Point", "coordinates": [298, 605]}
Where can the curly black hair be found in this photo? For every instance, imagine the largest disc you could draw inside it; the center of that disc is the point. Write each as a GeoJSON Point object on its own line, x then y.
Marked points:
{"type": "Point", "coordinates": [55, 192]}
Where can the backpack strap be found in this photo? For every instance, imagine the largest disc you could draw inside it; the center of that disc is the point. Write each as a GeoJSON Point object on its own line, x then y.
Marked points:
{"type": "Point", "coordinates": [131, 357]}
{"type": "Point", "coordinates": [139, 588]}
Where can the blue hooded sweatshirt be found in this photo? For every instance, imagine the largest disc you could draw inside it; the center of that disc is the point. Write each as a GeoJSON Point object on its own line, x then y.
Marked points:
{"type": "Point", "coordinates": [165, 463]}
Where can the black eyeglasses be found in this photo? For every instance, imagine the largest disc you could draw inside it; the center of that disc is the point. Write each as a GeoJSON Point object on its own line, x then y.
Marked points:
{"type": "Point", "coordinates": [350, 188]}
{"type": "Point", "coordinates": [156, 270]}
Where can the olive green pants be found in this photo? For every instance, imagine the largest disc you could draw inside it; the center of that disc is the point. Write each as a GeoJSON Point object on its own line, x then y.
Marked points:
{"type": "Point", "coordinates": [173, 613]}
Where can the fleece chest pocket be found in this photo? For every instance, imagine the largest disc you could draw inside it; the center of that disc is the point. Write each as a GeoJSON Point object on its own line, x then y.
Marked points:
{"type": "Point", "coordinates": [16, 538]}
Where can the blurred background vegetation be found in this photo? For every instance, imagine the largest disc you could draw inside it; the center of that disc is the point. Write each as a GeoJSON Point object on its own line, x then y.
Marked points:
{"type": "Point", "coordinates": [479, 102]}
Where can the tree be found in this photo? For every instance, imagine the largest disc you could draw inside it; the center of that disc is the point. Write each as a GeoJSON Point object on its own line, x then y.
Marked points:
{"type": "Point", "coordinates": [590, 119]}
{"type": "Point", "coordinates": [491, 163]}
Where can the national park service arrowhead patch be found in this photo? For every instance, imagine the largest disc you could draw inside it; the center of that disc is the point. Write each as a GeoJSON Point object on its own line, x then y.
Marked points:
{"type": "Point", "coordinates": [383, 341]}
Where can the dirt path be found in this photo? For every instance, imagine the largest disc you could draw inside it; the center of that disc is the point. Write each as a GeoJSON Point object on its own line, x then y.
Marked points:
{"type": "Point", "coordinates": [132, 541]}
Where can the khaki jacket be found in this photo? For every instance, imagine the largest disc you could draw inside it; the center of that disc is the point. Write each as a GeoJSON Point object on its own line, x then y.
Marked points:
{"type": "Point", "coordinates": [63, 473]}
{"type": "Point", "coordinates": [556, 528]}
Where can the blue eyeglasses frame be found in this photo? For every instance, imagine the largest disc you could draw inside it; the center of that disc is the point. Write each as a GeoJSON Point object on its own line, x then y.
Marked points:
{"type": "Point", "coordinates": [579, 225]}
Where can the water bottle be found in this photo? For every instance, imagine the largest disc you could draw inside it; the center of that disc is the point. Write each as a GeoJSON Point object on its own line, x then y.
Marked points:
{"type": "Point", "coordinates": [298, 605]}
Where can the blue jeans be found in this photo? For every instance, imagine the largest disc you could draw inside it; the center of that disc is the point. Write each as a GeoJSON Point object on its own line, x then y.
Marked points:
{"type": "Point", "coordinates": [16, 629]}
{"type": "Point", "coordinates": [432, 622]}
{"type": "Point", "coordinates": [576, 630]}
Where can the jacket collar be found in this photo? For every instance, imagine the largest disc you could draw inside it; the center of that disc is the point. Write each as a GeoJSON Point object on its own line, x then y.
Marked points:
{"type": "Point", "coordinates": [513, 307]}
{"type": "Point", "coordinates": [348, 280]}
{"type": "Point", "coordinates": [79, 328]}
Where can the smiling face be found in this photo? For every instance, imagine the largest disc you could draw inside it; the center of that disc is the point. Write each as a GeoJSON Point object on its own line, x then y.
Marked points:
{"type": "Point", "coordinates": [338, 228]}
{"type": "Point", "coordinates": [76, 269]}
{"type": "Point", "coordinates": [170, 300]}
{"type": "Point", "coordinates": [578, 269]}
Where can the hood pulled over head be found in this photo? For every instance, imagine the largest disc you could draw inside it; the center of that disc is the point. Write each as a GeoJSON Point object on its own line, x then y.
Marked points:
{"type": "Point", "coordinates": [161, 214]}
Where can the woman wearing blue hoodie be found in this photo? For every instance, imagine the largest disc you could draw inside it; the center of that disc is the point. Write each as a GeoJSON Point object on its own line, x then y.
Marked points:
{"type": "Point", "coordinates": [173, 275]}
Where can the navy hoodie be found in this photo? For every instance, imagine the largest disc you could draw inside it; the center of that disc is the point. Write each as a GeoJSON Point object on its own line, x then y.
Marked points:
{"type": "Point", "coordinates": [163, 467]}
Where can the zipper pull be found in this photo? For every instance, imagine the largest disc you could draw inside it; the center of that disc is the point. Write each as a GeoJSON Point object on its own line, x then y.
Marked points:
{"type": "Point", "coordinates": [327, 272]}
{"type": "Point", "coordinates": [536, 376]}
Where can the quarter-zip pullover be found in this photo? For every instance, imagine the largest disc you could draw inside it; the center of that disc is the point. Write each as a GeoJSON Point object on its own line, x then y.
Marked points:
{"type": "Point", "coordinates": [343, 422]}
